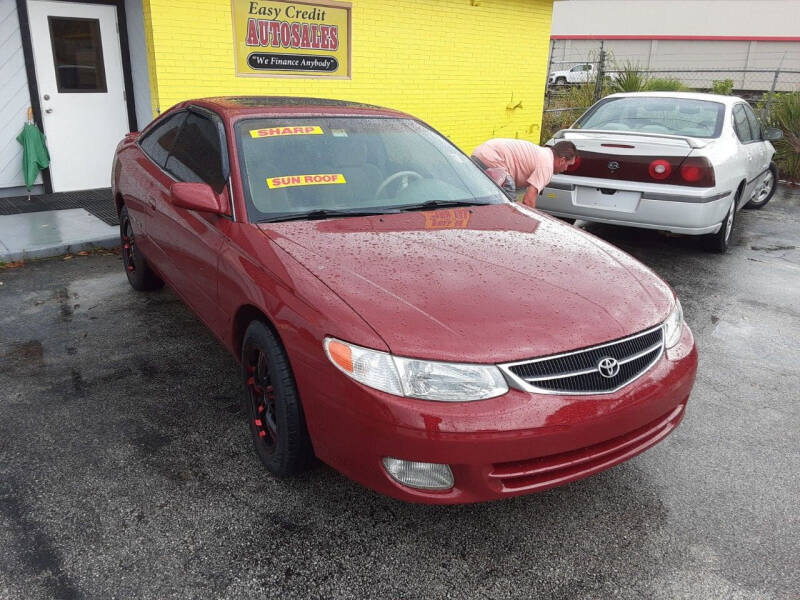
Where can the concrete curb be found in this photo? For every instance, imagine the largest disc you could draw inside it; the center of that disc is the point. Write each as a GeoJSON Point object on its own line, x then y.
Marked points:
{"type": "Point", "coordinates": [44, 234]}
{"type": "Point", "coordinates": [58, 249]}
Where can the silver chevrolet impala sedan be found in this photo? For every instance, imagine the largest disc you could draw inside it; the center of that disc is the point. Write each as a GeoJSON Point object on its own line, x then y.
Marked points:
{"type": "Point", "coordinates": [674, 161]}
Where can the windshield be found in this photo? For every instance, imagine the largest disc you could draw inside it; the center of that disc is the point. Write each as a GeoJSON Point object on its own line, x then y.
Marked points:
{"type": "Point", "coordinates": [335, 166]}
{"type": "Point", "coordinates": [674, 116]}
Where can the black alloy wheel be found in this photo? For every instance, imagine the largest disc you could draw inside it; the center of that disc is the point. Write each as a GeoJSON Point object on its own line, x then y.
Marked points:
{"type": "Point", "coordinates": [261, 394]}
{"type": "Point", "coordinates": [140, 275]}
{"type": "Point", "coordinates": [272, 404]}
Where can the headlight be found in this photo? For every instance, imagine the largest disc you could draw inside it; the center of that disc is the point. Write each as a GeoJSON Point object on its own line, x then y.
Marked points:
{"type": "Point", "coordinates": [673, 325]}
{"type": "Point", "coordinates": [424, 379]}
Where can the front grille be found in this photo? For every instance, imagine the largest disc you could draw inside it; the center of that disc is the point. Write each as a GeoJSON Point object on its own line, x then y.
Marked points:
{"type": "Point", "coordinates": [578, 372]}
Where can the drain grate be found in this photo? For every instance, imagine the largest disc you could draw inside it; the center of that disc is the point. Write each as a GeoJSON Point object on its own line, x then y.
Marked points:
{"type": "Point", "coordinates": [98, 202]}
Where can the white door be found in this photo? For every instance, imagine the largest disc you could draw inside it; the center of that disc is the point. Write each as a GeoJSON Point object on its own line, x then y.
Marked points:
{"type": "Point", "coordinates": [78, 63]}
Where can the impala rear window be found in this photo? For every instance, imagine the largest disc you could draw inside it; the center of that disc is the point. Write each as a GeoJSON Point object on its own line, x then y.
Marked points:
{"type": "Point", "coordinates": [359, 164]}
{"type": "Point", "coordinates": [664, 115]}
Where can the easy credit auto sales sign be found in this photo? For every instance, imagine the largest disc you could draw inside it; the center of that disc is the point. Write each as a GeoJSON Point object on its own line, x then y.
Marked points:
{"type": "Point", "coordinates": [276, 38]}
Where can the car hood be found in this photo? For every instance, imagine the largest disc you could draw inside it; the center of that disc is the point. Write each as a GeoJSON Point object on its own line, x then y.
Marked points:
{"type": "Point", "coordinates": [483, 284]}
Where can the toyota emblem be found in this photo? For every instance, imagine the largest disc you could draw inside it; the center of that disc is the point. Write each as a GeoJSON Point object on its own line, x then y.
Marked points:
{"type": "Point", "coordinates": [608, 367]}
{"type": "Point", "coordinates": [613, 165]}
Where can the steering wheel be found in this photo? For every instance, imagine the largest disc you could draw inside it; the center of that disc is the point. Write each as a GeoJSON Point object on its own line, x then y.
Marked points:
{"type": "Point", "coordinates": [392, 178]}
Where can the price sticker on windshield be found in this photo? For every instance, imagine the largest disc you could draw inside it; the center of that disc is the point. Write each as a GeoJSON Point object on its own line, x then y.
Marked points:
{"type": "Point", "coordinates": [280, 131]}
{"type": "Point", "coordinates": [457, 218]}
{"type": "Point", "coordinates": [294, 180]}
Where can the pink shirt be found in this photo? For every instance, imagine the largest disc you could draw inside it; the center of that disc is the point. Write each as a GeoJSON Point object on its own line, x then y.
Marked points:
{"type": "Point", "coordinates": [526, 162]}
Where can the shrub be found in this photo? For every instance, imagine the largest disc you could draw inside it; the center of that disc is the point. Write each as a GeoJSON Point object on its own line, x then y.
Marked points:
{"type": "Point", "coordinates": [665, 84]}
{"type": "Point", "coordinates": [629, 79]}
{"type": "Point", "coordinates": [574, 102]}
{"type": "Point", "coordinates": [722, 86]}
{"type": "Point", "coordinates": [553, 121]}
{"type": "Point", "coordinates": [785, 115]}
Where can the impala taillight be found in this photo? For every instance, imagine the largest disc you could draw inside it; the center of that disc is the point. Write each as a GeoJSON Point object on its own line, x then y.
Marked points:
{"type": "Point", "coordinates": [574, 166]}
{"type": "Point", "coordinates": [660, 169]}
{"type": "Point", "coordinates": [697, 171]}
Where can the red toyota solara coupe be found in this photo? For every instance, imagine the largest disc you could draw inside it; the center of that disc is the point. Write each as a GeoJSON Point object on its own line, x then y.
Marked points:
{"type": "Point", "coordinates": [395, 315]}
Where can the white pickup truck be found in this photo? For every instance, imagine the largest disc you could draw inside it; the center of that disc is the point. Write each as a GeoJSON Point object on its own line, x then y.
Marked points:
{"type": "Point", "coordinates": [577, 74]}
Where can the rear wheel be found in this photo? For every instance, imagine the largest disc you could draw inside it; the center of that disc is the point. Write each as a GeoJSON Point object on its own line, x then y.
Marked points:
{"type": "Point", "coordinates": [273, 408]}
{"type": "Point", "coordinates": [766, 190]}
{"type": "Point", "coordinates": [140, 275]}
{"type": "Point", "coordinates": [719, 242]}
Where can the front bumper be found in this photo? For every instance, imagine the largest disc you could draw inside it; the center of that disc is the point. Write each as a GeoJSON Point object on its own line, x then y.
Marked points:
{"type": "Point", "coordinates": [692, 211]}
{"type": "Point", "coordinates": [515, 444]}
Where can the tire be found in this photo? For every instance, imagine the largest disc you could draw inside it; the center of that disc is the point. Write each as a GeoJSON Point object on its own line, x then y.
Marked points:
{"type": "Point", "coordinates": [719, 242]}
{"type": "Point", "coordinates": [140, 275]}
{"type": "Point", "coordinates": [568, 220]}
{"type": "Point", "coordinates": [561, 81]}
{"type": "Point", "coordinates": [272, 405]}
{"type": "Point", "coordinates": [766, 190]}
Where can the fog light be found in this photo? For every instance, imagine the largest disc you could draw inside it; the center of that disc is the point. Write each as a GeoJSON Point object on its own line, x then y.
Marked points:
{"type": "Point", "coordinates": [420, 475]}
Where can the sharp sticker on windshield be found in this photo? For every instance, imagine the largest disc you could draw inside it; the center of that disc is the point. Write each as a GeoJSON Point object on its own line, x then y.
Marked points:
{"type": "Point", "coordinates": [294, 180]}
{"type": "Point", "coordinates": [276, 131]}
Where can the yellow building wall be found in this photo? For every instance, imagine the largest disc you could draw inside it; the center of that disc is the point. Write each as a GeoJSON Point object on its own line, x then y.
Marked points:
{"type": "Point", "coordinates": [473, 69]}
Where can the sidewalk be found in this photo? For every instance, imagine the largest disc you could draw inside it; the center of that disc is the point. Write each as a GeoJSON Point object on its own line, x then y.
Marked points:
{"type": "Point", "coordinates": [79, 221]}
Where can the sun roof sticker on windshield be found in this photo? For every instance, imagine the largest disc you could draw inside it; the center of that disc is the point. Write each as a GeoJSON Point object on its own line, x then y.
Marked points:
{"type": "Point", "coordinates": [295, 180]}
{"type": "Point", "coordinates": [283, 130]}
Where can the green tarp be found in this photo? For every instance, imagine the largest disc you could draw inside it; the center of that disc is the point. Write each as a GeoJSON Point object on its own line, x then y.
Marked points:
{"type": "Point", "coordinates": [34, 153]}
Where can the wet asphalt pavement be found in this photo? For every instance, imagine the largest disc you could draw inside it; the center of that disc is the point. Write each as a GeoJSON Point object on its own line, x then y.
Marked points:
{"type": "Point", "coordinates": [126, 468]}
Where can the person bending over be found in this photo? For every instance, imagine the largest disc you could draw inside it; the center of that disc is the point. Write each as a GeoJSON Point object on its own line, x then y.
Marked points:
{"type": "Point", "coordinates": [525, 163]}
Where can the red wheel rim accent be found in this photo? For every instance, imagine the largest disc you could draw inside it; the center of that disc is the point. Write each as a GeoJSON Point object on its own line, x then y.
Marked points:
{"type": "Point", "coordinates": [262, 400]}
{"type": "Point", "coordinates": [128, 247]}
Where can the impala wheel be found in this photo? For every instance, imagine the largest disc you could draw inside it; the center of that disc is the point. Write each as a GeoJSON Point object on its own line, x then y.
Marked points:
{"type": "Point", "coordinates": [766, 190]}
{"type": "Point", "coordinates": [720, 241]}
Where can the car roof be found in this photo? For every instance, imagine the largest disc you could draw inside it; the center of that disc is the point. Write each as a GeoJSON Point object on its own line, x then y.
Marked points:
{"type": "Point", "coordinates": [726, 100]}
{"type": "Point", "coordinates": [234, 107]}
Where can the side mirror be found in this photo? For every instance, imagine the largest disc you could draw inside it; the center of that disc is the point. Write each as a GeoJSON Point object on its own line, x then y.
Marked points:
{"type": "Point", "coordinates": [772, 134]}
{"type": "Point", "coordinates": [195, 196]}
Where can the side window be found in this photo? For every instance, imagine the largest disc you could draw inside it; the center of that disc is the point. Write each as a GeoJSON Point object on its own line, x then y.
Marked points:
{"type": "Point", "coordinates": [755, 126]}
{"type": "Point", "coordinates": [741, 125]}
{"type": "Point", "coordinates": [197, 156]}
{"type": "Point", "coordinates": [158, 142]}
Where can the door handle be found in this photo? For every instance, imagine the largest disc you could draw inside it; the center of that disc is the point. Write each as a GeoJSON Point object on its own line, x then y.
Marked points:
{"type": "Point", "coordinates": [48, 110]}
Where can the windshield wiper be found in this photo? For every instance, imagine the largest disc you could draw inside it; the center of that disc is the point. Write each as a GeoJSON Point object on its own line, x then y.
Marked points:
{"type": "Point", "coordinates": [325, 213]}
{"type": "Point", "coordinates": [440, 203]}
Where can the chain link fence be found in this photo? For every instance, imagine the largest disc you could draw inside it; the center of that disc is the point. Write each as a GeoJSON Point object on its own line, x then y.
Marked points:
{"type": "Point", "coordinates": [574, 85]}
